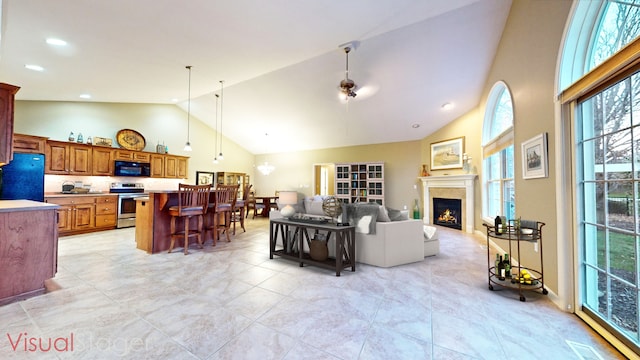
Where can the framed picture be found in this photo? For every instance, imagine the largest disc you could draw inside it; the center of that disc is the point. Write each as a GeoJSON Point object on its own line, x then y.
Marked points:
{"type": "Point", "coordinates": [534, 157]}
{"type": "Point", "coordinates": [447, 154]}
{"type": "Point", "coordinates": [204, 178]}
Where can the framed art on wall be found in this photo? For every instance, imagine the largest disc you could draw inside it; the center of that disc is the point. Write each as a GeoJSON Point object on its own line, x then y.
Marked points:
{"type": "Point", "coordinates": [204, 178]}
{"type": "Point", "coordinates": [447, 154]}
{"type": "Point", "coordinates": [535, 163]}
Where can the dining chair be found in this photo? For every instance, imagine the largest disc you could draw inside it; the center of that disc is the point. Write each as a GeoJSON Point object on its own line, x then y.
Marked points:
{"type": "Point", "coordinates": [252, 204]}
{"type": "Point", "coordinates": [192, 202]}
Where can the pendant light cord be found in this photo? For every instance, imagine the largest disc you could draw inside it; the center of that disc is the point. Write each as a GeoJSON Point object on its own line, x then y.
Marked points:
{"type": "Point", "coordinates": [221, 104]}
{"type": "Point", "coordinates": [189, 107]}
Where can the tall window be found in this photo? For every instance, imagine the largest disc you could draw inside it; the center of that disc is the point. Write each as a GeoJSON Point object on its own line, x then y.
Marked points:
{"type": "Point", "coordinates": [497, 140]}
{"type": "Point", "coordinates": [607, 162]}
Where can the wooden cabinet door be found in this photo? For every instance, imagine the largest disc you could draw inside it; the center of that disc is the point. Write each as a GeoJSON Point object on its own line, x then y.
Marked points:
{"type": "Point", "coordinates": [157, 166]}
{"type": "Point", "coordinates": [170, 166]}
{"type": "Point", "coordinates": [56, 158]}
{"type": "Point", "coordinates": [64, 218]}
{"type": "Point", "coordinates": [181, 168]}
{"type": "Point", "coordinates": [102, 161]}
{"type": "Point", "coordinates": [80, 160]}
{"type": "Point", "coordinates": [141, 156]}
{"type": "Point", "coordinates": [29, 144]}
{"type": "Point", "coordinates": [120, 154]}
{"type": "Point", "coordinates": [84, 216]}
{"type": "Point", "coordinates": [7, 96]}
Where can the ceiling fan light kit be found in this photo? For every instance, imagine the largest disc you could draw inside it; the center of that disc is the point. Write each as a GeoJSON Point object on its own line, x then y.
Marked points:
{"type": "Point", "coordinates": [348, 86]}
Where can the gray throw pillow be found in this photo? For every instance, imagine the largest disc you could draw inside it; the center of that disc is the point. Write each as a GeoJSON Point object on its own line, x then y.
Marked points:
{"type": "Point", "coordinates": [397, 215]}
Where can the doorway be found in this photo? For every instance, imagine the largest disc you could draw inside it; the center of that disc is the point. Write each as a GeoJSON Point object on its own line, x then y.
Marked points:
{"type": "Point", "coordinates": [324, 179]}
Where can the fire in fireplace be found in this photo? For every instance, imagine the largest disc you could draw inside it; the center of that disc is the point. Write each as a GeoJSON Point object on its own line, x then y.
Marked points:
{"type": "Point", "coordinates": [447, 212]}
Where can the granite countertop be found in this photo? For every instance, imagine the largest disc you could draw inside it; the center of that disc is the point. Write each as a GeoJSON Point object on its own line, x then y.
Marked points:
{"type": "Point", "coordinates": [60, 194]}
{"type": "Point", "coordinates": [25, 205]}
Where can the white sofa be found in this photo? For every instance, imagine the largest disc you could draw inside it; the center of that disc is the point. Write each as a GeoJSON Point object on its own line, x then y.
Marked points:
{"type": "Point", "coordinates": [394, 242]}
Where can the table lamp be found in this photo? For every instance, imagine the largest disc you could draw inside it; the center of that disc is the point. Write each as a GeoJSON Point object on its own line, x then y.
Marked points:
{"type": "Point", "coordinates": [288, 198]}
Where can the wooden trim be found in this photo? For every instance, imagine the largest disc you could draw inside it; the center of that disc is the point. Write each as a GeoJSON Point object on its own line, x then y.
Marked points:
{"type": "Point", "coordinates": [620, 65]}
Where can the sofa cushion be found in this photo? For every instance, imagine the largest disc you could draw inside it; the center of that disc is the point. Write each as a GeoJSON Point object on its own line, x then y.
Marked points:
{"type": "Point", "coordinates": [363, 216]}
{"type": "Point", "coordinates": [397, 215]}
{"type": "Point", "coordinates": [383, 215]}
{"type": "Point", "coordinates": [313, 207]}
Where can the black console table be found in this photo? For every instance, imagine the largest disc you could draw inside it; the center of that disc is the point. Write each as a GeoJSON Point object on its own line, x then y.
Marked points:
{"type": "Point", "coordinates": [293, 234]}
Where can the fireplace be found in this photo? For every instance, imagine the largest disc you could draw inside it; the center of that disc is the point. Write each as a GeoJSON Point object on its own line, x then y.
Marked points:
{"type": "Point", "coordinates": [447, 212]}
{"type": "Point", "coordinates": [459, 187]}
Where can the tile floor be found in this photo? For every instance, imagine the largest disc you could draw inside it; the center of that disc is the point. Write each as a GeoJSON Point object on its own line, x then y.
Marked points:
{"type": "Point", "coordinates": [232, 302]}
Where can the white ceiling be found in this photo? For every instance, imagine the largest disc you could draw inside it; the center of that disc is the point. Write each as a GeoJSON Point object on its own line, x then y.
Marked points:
{"type": "Point", "coordinates": [281, 62]}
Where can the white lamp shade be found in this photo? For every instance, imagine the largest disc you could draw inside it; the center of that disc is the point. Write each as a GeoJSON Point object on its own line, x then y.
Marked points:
{"type": "Point", "coordinates": [288, 197]}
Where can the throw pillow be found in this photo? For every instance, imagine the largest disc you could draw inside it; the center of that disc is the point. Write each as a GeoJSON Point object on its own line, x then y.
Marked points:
{"type": "Point", "coordinates": [397, 215]}
{"type": "Point", "coordinates": [383, 215]}
{"type": "Point", "coordinates": [363, 224]}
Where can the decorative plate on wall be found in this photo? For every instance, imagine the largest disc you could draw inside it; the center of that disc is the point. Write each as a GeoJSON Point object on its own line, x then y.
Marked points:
{"type": "Point", "coordinates": [130, 139]}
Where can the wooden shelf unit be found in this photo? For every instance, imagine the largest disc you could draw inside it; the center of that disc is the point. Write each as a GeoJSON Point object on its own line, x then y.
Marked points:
{"type": "Point", "coordinates": [360, 182]}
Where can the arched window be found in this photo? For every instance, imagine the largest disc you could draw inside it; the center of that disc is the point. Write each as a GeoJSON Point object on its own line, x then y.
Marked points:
{"type": "Point", "coordinates": [605, 105]}
{"type": "Point", "coordinates": [497, 142]}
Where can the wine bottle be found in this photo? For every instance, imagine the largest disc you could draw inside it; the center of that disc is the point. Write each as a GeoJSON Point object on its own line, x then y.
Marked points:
{"type": "Point", "coordinates": [495, 269]}
{"type": "Point", "coordinates": [507, 266]}
{"type": "Point", "coordinates": [498, 225]}
{"type": "Point", "coordinates": [501, 274]}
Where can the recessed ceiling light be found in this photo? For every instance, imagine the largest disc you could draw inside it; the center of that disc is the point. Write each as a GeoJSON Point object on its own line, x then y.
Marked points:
{"type": "Point", "coordinates": [85, 96]}
{"type": "Point", "coordinates": [415, 126]}
{"type": "Point", "coordinates": [175, 100]}
{"type": "Point", "coordinates": [447, 106]}
{"type": "Point", "coordinates": [56, 42]}
{"type": "Point", "coordinates": [34, 67]}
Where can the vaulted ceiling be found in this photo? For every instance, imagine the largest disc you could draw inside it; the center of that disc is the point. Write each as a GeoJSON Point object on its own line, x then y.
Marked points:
{"type": "Point", "coordinates": [281, 62]}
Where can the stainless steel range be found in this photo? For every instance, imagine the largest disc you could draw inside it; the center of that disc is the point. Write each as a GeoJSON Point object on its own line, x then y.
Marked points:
{"type": "Point", "coordinates": [127, 194]}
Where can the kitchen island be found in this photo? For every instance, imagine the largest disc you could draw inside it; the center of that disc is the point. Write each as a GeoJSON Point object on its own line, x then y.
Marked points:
{"type": "Point", "coordinates": [28, 248]}
{"type": "Point", "coordinates": [153, 222]}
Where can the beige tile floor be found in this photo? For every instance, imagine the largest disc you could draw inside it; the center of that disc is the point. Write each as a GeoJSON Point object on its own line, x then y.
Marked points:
{"type": "Point", "coordinates": [233, 302]}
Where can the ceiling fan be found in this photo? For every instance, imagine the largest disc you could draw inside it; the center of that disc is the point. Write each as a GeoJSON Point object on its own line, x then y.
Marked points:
{"type": "Point", "coordinates": [348, 86]}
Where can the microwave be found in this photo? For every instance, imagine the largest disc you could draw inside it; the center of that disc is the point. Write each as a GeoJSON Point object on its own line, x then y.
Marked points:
{"type": "Point", "coordinates": [130, 168]}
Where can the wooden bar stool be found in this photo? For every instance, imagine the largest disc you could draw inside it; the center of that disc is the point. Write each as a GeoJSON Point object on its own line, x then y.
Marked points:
{"type": "Point", "coordinates": [239, 209]}
{"type": "Point", "coordinates": [192, 202]}
{"type": "Point", "coordinates": [225, 201]}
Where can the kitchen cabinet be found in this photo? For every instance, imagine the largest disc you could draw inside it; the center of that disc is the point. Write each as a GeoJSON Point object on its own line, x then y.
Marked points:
{"type": "Point", "coordinates": [129, 155]}
{"type": "Point", "coordinates": [67, 158]}
{"type": "Point", "coordinates": [106, 211]}
{"type": "Point", "coordinates": [7, 97]}
{"type": "Point", "coordinates": [102, 160]}
{"type": "Point", "coordinates": [157, 166]}
{"type": "Point", "coordinates": [76, 214]}
{"type": "Point", "coordinates": [28, 248]}
{"type": "Point", "coordinates": [175, 167]}
{"type": "Point", "coordinates": [29, 144]}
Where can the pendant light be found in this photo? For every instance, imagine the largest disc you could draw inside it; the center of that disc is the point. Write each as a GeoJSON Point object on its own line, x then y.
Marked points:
{"type": "Point", "coordinates": [215, 147]}
{"type": "Point", "coordinates": [187, 146]}
{"type": "Point", "coordinates": [220, 156]}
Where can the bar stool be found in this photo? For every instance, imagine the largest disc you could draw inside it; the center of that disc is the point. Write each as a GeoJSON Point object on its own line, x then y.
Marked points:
{"type": "Point", "coordinates": [192, 202]}
{"type": "Point", "coordinates": [239, 209]}
{"type": "Point", "coordinates": [225, 201]}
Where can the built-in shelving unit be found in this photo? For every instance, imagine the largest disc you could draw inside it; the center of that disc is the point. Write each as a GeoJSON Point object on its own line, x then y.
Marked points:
{"type": "Point", "coordinates": [360, 182]}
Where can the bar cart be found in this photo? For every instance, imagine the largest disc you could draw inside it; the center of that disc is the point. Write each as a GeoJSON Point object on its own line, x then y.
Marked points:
{"type": "Point", "coordinates": [517, 232]}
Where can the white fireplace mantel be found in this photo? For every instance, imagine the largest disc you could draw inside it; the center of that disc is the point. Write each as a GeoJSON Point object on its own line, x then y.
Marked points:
{"type": "Point", "coordinates": [466, 181]}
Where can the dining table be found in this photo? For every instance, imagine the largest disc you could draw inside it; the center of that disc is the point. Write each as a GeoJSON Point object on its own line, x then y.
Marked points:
{"type": "Point", "coordinates": [268, 202]}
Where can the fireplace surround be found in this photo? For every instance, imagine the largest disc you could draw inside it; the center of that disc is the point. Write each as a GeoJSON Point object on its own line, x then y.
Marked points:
{"type": "Point", "coordinates": [450, 187]}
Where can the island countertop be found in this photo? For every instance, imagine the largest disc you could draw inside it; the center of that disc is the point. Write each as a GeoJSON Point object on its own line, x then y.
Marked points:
{"type": "Point", "coordinates": [25, 205]}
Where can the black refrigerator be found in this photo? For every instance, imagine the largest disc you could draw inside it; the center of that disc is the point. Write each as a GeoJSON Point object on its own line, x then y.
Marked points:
{"type": "Point", "coordinates": [23, 178]}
